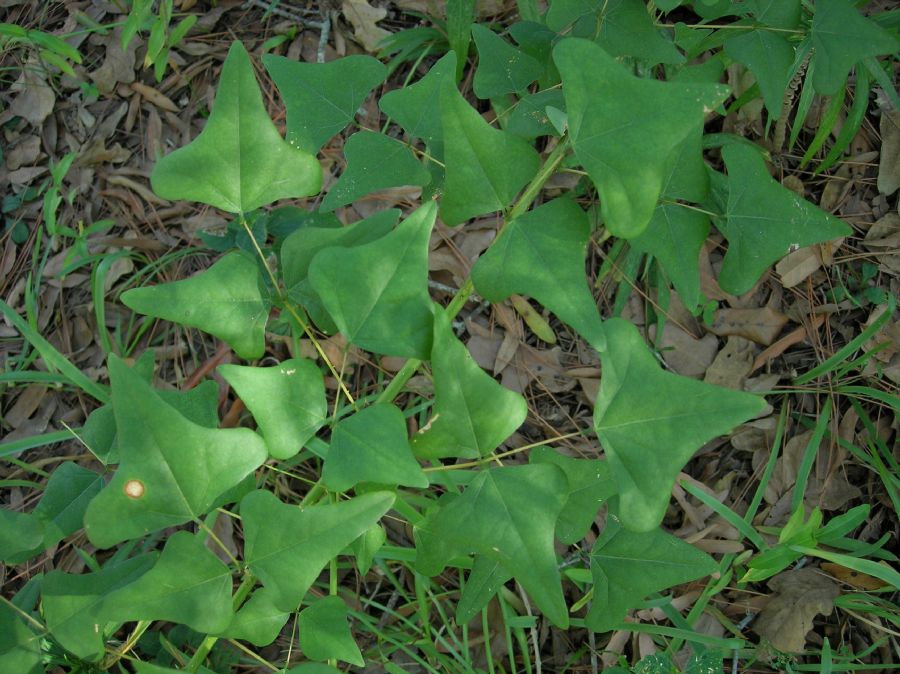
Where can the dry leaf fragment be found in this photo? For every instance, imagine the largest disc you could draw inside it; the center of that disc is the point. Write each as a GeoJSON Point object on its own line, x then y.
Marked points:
{"type": "Point", "coordinates": [732, 364]}
{"type": "Point", "coordinates": [796, 267]}
{"type": "Point", "coordinates": [35, 98]}
{"type": "Point", "coordinates": [758, 325]}
{"type": "Point", "coordinates": [118, 66]}
{"type": "Point", "coordinates": [861, 581]}
{"type": "Point", "coordinates": [158, 99]}
{"type": "Point", "coordinates": [889, 166]}
{"type": "Point", "coordinates": [684, 353]}
{"type": "Point", "coordinates": [800, 596]}
{"type": "Point", "coordinates": [363, 17]}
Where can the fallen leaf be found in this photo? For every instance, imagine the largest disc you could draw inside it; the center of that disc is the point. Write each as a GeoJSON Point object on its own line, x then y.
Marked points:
{"type": "Point", "coordinates": [35, 98]}
{"type": "Point", "coordinates": [684, 353]}
{"type": "Point", "coordinates": [861, 581]}
{"type": "Point", "coordinates": [889, 166]}
{"type": "Point", "coordinates": [800, 596]}
{"type": "Point", "coordinates": [23, 154]}
{"type": "Point", "coordinates": [796, 267]}
{"type": "Point", "coordinates": [758, 325]}
{"type": "Point", "coordinates": [363, 17]}
{"type": "Point", "coordinates": [118, 66]}
{"type": "Point", "coordinates": [794, 337]}
{"type": "Point", "coordinates": [154, 96]}
{"type": "Point", "coordinates": [732, 364]}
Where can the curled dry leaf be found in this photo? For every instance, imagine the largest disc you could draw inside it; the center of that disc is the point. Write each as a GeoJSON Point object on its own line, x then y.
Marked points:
{"type": "Point", "coordinates": [799, 597]}
{"type": "Point", "coordinates": [363, 17]}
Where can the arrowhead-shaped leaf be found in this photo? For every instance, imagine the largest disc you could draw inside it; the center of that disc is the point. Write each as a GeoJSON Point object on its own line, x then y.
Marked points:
{"type": "Point", "coordinates": [776, 13]}
{"type": "Point", "coordinates": [473, 413]}
{"type": "Point", "coordinates": [374, 162]}
{"type": "Point", "coordinates": [629, 157]}
{"type": "Point", "coordinates": [507, 514]}
{"type": "Point", "coordinates": [325, 632]}
{"type": "Point", "coordinates": [171, 471]}
{"type": "Point", "coordinates": [287, 401]}
{"type": "Point", "coordinates": [225, 301]}
{"type": "Point", "coordinates": [239, 161]}
{"type": "Point", "coordinates": [377, 293]}
{"type": "Point", "coordinates": [485, 167]}
{"type": "Point", "coordinates": [187, 585]}
{"type": "Point", "coordinates": [628, 566]}
{"type": "Point", "coordinates": [287, 547]}
{"type": "Point", "coordinates": [417, 108]}
{"type": "Point", "coordinates": [541, 254]}
{"type": "Point", "coordinates": [674, 237]}
{"type": "Point", "coordinates": [650, 422]}
{"type": "Point", "coordinates": [299, 249]}
{"type": "Point", "coordinates": [72, 603]}
{"type": "Point", "coordinates": [502, 68]}
{"type": "Point", "coordinates": [258, 621]}
{"type": "Point", "coordinates": [486, 577]}
{"type": "Point", "coordinates": [769, 57]}
{"type": "Point", "coordinates": [322, 98]}
{"type": "Point", "coordinates": [842, 37]}
{"type": "Point", "coordinates": [764, 220]}
{"type": "Point", "coordinates": [372, 446]}
{"type": "Point", "coordinates": [590, 486]}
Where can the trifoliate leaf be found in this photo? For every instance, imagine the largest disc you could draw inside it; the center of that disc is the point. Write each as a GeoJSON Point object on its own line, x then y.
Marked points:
{"type": "Point", "coordinates": [629, 157]}
{"type": "Point", "coordinates": [287, 401]}
{"type": "Point", "coordinates": [287, 547]}
{"type": "Point", "coordinates": [383, 306]}
{"type": "Point", "coordinates": [507, 514]}
{"type": "Point", "coordinates": [764, 220]}
{"type": "Point", "coordinates": [472, 413]}
{"type": "Point", "coordinates": [322, 98]}
{"type": "Point", "coordinates": [650, 422]}
{"type": "Point", "coordinates": [225, 301]}
{"type": "Point", "coordinates": [372, 446]}
{"type": "Point", "coordinates": [171, 471]}
{"type": "Point", "coordinates": [628, 566]}
{"type": "Point", "coordinates": [374, 162]}
{"type": "Point", "coordinates": [239, 161]}
{"type": "Point", "coordinates": [541, 254]}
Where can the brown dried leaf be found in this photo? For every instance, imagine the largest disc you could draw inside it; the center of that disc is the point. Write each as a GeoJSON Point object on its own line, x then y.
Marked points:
{"type": "Point", "coordinates": [800, 596]}
{"type": "Point", "coordinates": [25, 153]}
{"type": "Point", "coordinates": [35, 98]}
{"type": "Point", "coordinates": [732, 364]}
{"type": "Point", "coordinates": [796, 267]}
{"type": "Point", "coordinates": [154, 96]}
{"type": "Point", "coordinates": [363, 17]}
{"type": "Point", "coordinates": [118, 66]}
{"type": "Point", "coordinates": [759, 325]}
{"type": "Point", "coordinates": [26, 405]}
{"type": "Point", "coordinates": [684, 353]}
{"type": "Point", "coordinates": [889, 166]}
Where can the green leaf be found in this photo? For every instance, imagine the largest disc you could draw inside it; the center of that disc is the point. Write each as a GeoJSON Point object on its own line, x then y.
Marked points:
{"type": "Point", "coordinates": [367, 546]}
{"type": "Point", "coordinates": [322, 98]}
{"type": "Point", "coordinates": [383, 305]}
{"type": "Point", "coordinates": [20, 647]}
{"type": "Point", "coordinates": [159, 482]}
{"type": "Point", "coordinates": [259, 621]}
{"type": "Point", "coordinates": [674, 237]}
{"type": "Point", "coordinates": [473, 413]}
{"type": "Point", "coordinates": [764, 220]}
{"type": "Point", "coordinates": [529, 118]}
{"type": "Point", "coordinates": [485, 167]}
{"type": "Point", "coordinates": [374, 162]}
{"type": "Point", "coordinates": [590, 486]}
{"type": "Point", "coordinates": [776, 13]}
{"type": "Point", "coordinates": [541, 254]}
{"type": "Point", "coordinates": [313, 668]}
{"type": "Point", "coordinates": [325, 632]}
{"type": "Point", "coordinates": [287, 401]}
{"type": "Point", "coordinates": [239, 161]}
{"type": "Point", "coordinates": [187, 585]}
{"type": "Point", "coordinates": [72, 604]}
{"type": "Point", "coordinates": [20, 534]}
{"type": "Point", "coordinates": [769, 56]}
{"type": "Point", "coordinates": [299, 249]}
{"type": "Point", "coordinates": [621, 27]}
{"type": "Point", "coordinates": [507, 514]}
{"type": "Point", "coordinates": [650, 422]}
{"type": "Point", "coordinates": [225, 301]}
{"type": "Point", "coordinates": [842, 37]}
{"type": "Point", "coordinates": [629, 157]}
{"type": "Point", "coordinates": [287, 547]}
{"type": "Point", "coordinates": [371, 446]}
{"type": "Point", "coordinates": [417, 108]}
{"type": "Point", "coordinates": [484, 580]}
{"type": "Point", "coordinates": [502, 68]}
{"type": "Point", "coordinates": [628, 566]}
{"type": "Point", "coordinates": [65, 500]}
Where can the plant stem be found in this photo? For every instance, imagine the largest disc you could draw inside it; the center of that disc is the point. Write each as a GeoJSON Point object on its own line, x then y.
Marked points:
{"type": "Point", "coordinates": [523, 203]}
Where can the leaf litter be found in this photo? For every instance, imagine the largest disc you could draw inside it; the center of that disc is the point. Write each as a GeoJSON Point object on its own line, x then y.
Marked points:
{"type": "Point", "coordinates": [117, 132]}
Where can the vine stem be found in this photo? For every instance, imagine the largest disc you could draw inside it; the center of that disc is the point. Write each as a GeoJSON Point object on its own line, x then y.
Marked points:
{"type": "Point", "coordinates": [554, 159]}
